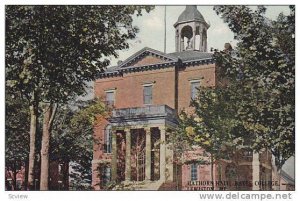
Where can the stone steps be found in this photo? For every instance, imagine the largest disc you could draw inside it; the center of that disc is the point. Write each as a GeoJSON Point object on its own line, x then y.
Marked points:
{"type": "Point", "coordinates": [139, 185]}
{"type": "Point", "coordinates": [168, 186]}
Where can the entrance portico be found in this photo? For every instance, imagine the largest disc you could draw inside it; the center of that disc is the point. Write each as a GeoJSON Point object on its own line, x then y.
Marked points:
{"type": "Point", "coordinates": [139, 148]}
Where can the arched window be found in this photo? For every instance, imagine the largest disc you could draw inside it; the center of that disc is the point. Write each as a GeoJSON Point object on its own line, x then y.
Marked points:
{"type": "Point", "coordinates": [204, 37]}
{"type": "Point", "coordinates": [107, 139]}
{"type": "Point", "coordinates": [197, 38]}
{"type": "Point", "coordinates": [187, 34]}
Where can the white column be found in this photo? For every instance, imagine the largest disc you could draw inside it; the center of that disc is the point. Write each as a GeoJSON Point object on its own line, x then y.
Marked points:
{"type": "Point", "coordinates": [169, 163]}
{"type": "Point", "coordinates": [194, 38]}
{"type": "Point", "coordinates": [128, 155]}
{"type": "Point", "coordinates": [162, 154]}
{"type": "Point", "coordinates": [181, 43]}
{"type": "Point", "coordinates": [201, 37]}
{"type": "Point", "coordinates": [255, 170]}
{"type": "Point", "coordinates": [114, 156]}
{"type": "Point", "coordinates": [148, 154]}
{"type": "Point", "coordinates": [176, 41]}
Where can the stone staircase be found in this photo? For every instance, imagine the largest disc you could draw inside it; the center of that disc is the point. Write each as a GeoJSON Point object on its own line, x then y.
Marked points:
{"type": "Point", "coordinates": [139, 185]}
{"type": "Point", "coordinates": [168, 186]}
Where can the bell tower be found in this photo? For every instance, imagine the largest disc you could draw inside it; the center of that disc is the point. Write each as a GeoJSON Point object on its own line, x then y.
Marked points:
{"type": "Point", "coordinates": [191, 31]}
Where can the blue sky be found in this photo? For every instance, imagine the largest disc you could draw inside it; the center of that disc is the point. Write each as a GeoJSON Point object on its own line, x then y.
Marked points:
{"type": "Point", "coordinates": [151, 27]}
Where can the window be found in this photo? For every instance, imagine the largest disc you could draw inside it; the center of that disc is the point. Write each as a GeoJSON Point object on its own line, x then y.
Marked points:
{"type": "Point", "coordinates": [110, 98]}
{"type": "Point", "coordinates": [204, 36]}
{"type": "Point", "coordinates": [106, 175]}
{"type": "Point", "coordinates": [194, 86]}
{"type": "Point", "coordinates": [147, 94]}
{"type": "Point", "coordinates": [19, 184]}
{"type": "Point", "coordinates": [194, 173]}
{"type": "Point", "coordinates": [220, 172]}
{"type": "Point", "coordinates": [107, 140]}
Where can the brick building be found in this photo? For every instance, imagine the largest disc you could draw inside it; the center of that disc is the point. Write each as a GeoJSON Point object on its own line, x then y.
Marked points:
{"type": "Point", "coordinates": [16, 177]}
{"type": "Point", "coordinates": [147, 91]}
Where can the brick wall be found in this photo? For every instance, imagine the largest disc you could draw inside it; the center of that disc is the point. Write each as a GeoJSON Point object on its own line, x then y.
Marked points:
{"type": "Point", "coordinates": [129, 88]}
{"type": "Point", "coordinates": [129, 93]}
{"type": "Point", "coordinates": [206, 74]}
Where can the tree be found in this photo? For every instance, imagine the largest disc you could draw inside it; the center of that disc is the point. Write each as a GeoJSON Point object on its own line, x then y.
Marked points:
{"type": "Point", "coordinates": [72, 142]}
{"type": "Point", "coordinates": [253, 103]}
{"type": "Point", "coordinates": [213, 126]}
{"type": "Point", "coordinates": [266, 60]}
{"type": "Point", "coordinates": [51, 51]}
{"type": "Point", "coordinates": [179, 142]}
{"type": "Point", "coordinates": [264, 64]}
{"type": "Point", "coordinates": [16, 129]}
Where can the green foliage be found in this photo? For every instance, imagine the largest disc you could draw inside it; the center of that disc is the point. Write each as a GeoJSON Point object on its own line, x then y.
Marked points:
{"type": "Point", "coordinates": [73, 139]}
{"type": "Point", "coordinates": [88, 115]}
{"type": "Point", "coordinates": [16, 129]}
{"type": "Point", "coordinates": [263, 72]}
{"type": "Point", "coordinates": [180, 143]}
{"type": "Point", "coordinates": [212, 125]}
{"type": "Point", "coordinates": [54, 50]}
{"type": "Point", "coordinates": [253, 104]}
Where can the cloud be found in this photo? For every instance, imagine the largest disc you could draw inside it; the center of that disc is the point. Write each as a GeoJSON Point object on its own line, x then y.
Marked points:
{"type": "Point", "coordinates": [221, 29]}
{"type": "Point", "coordinates": [152, 29]}
{"type": "Point", "coordinates": [154, 23]}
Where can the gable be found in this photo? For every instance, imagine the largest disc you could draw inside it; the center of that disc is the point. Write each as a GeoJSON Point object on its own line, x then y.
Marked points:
{"type": "Point", "coordinates": [147, 60]}
{"type": "Point", "coordinates": [146, 56]}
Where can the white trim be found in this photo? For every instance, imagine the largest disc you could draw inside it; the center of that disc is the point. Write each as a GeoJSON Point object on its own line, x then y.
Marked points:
{"type": "Point", "coordinates": [110, 90]}
{"type": "Point", "coordinates": [194, 80]}
{"type": "Point", "coordinates": [147, 84]}
{"type": "Point", "coordinates": [192, 89]}
{"type": "Point", "coordinates": [95, 161]}
{"type": "Point", "coordinates": [113, 90]}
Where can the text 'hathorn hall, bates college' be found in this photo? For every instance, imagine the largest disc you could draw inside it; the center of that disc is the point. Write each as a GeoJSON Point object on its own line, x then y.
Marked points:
{"type": "Point", "coordinates": [132, 148]}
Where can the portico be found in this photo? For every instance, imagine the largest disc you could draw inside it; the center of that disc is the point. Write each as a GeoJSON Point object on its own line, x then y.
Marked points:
{"type": "Point", "coordinates": [139, 147]}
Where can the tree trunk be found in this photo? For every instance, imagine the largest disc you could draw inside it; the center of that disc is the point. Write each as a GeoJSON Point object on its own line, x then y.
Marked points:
{"type": "Point", "coordinates": [137, 166]}
{"type": "Point", "coordinates": [65, 172]}
{"type": "Point", "coordinates": [212, 171]}
{"type": "Point", "coordinates": [14, 170]}
{"type": "Point", "coordinates": [49, 112]}
{"type": "Point", "coordinates": [33, 126]}
{"type": "Point", "coordinates": [26, 175]}
{"type": "Point", "coordinates": [279, 178]}
{"type": "Point", "coordinates": [176, 176]}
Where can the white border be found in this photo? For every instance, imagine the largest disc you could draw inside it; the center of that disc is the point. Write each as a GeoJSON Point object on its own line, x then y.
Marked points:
{"type": "Point", "coordinates": [124, 196]}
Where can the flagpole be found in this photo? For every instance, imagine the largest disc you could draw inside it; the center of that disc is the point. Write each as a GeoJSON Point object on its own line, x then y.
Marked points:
{"type": "Point", "coordinates": [165, 39]}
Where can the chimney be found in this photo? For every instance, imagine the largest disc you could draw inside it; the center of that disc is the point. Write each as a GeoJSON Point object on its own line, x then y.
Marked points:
{"type": "Point", "coordinates": [227, 47]}
{"type": "Point", "coordinates": [119, 62]}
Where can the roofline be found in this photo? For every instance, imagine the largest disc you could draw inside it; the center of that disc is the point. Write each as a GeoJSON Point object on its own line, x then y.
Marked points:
{"type": "Point", "coordinates": [146, 49]}
{"type": "Point", "coordinates": [287, 177]}
{"type": "Point", "coordinates": [163, 65]}
{"type": "Point", "coordinates": [195, 20]}
{"type": "Point", "coordinates": [207, 60]}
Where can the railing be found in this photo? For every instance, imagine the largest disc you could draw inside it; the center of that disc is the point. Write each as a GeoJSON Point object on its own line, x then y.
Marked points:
{"type": "Point", "coordinates": [153, 110]}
